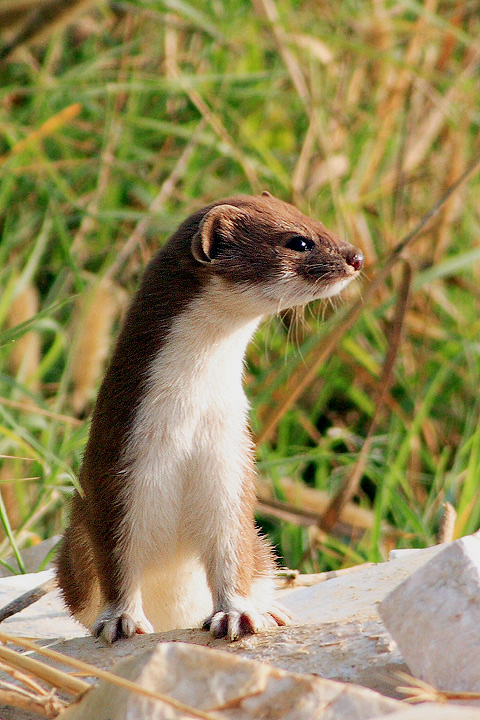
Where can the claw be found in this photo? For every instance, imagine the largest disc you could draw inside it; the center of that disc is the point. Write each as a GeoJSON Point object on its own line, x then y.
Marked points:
{"type": "Point", "coordinates": [111, 626]}
{"type": "Point", "coordinates": [234, 624]}
{"type": "Point", "coordinates": [219, 625]}
{"type": "Point", "coordinates": [280, 615]}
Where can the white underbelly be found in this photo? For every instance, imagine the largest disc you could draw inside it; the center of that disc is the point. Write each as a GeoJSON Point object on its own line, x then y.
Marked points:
{"type": "Point", "coordinates": [176, 595]}
{"type": "Point", "coordinates": [185, 480]}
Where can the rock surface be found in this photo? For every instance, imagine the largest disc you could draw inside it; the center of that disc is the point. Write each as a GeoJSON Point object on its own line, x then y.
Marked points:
{"type": "Point", "coordinates": [338, 635]}
{"type": "Point", "coordinates": [434, 616]}
{"type": "Point", "coordinates": [433, 711]}
{"type": "Point", "coordinates": [348, 598]}
{"type": "Point", "coordinates": [47, 618]}
{"type": "Point", "coordinates": [232, 687]}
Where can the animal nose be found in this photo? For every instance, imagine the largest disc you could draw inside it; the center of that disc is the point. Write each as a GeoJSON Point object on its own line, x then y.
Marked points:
{"type": "Point", "coordinates": [355, 259]}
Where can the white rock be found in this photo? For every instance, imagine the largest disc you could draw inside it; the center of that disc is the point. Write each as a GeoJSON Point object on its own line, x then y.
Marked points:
{"type": "Point", "coordinates": [337, 632]}
{"type": "Point", "coordinates": [406, 552]}
{"type": "Point", "coordinates": [354, 596]}
{"type": "Point", "coordinates": [228, 686]}
{"type": "Point", "coordinates": [434, 711]}
{"type": "Point", "coordinates": [434, 616]}
{"type": "Point", "coordinates": [346, 599]}
{"type": "Point", "coordinates": [46, 618]}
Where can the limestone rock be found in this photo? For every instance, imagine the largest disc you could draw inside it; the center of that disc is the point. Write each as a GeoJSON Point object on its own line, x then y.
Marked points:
{"type": "Point", "coordinates": [353, 596]}
{"type": "Point", "coordinates": [230, 687]}
{"type": "Point", "coordinates": [434, 711]}
{"type": "Point", "coordinates": [344, 599]}
{"type": "Point", "coordinates": [45, 618]}
{"type": "Point", "coordinates": [434, 616]}
{"type": "Point", "coordinates": [337, 632]}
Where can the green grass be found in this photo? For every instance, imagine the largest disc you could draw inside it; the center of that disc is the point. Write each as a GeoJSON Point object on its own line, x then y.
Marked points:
{"type": "Point", "coordinates": [117, 126]}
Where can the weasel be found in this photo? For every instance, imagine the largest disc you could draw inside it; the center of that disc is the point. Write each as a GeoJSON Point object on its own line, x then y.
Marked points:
{"type": "Point", "coordinates": [162, 534]}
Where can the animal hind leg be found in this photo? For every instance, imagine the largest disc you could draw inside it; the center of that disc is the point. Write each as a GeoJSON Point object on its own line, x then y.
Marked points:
{"type": "Point", "coordinates": [96, 583]}
{"type": "Point", "coordinates": [76, 575]}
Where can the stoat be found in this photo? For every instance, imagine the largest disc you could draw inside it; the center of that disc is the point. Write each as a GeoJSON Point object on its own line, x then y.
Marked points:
{"type": "Point", "coordinates": [162, 535]}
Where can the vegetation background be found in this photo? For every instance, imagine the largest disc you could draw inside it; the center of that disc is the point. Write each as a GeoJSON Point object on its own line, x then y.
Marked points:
{"type": "Point", "coordinates": [118, 119]}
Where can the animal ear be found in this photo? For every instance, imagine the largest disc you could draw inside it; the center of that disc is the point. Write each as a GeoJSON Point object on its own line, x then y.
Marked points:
{"type": "Point", "coordinates": [217, 225]}
{"type": "Point", "coordinates": [265, 193]}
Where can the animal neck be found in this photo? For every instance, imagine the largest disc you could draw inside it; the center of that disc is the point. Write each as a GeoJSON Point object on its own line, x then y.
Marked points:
{"type": "Point", "coordinates": [206, 343]}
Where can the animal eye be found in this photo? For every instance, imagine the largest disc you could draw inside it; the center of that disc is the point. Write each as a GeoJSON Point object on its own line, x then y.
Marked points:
{"type": "Point", "coordinates": [299, 244]}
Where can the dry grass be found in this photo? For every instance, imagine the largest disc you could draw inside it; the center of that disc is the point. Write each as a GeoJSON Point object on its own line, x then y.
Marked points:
{"type": "Point", "coordinates": [31, 675]}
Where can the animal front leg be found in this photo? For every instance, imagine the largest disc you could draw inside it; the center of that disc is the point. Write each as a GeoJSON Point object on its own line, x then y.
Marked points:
{"type": "Point", "coordinates": [242, 603]}
{"type": "Point", "coordinates": [122, 615]}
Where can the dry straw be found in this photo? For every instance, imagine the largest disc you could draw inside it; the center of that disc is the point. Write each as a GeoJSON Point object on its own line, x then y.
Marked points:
{"type": "Point", "coordinates": [96, 313]}
{"type": "Point", "coordinates": [74, 685]}
{"type": "Point", "coordinates": [24, 355]}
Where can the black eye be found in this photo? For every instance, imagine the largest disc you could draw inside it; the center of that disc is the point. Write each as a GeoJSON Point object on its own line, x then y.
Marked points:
{"type": "Point", "coordinates": [300, 244]}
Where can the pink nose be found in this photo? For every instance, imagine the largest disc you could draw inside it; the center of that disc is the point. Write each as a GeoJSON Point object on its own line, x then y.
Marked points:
{"type": "Point", "coordinates": [355, 259]}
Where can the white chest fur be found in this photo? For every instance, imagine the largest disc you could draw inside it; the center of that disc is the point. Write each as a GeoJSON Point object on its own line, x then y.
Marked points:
{"type": "Point", "coordinates": [187, 452]}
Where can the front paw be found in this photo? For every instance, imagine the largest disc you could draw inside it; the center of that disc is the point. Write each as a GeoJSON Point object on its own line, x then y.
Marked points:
{"type": "Point", "coordinates": [234, 624]}
{"type": "Point", "coordinates": [113, 624]}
